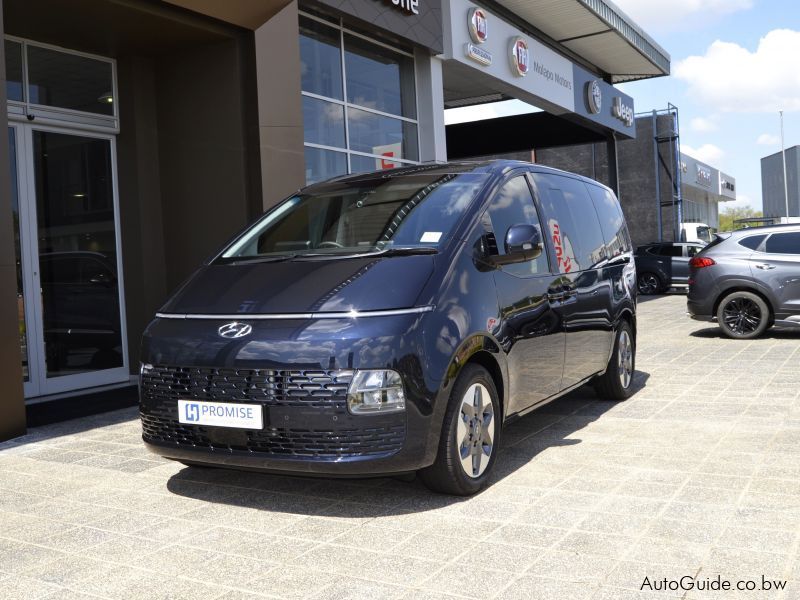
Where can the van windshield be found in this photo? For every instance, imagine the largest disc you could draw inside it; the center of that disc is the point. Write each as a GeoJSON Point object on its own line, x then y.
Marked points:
{"type": "Point", "coordinates": [411, 213]}
{"type": "Point", "coordinates": [704, 233]}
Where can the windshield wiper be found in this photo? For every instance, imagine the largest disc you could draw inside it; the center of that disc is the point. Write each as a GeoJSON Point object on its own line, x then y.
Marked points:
{"type": "Point", "coordinates": [406, 251]}
{"type": "Point", "coordinates": [241, 260]}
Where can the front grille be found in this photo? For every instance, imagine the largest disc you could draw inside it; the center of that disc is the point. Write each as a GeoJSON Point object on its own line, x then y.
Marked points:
{"type": "Point", "coordinates": [305, 413]}
{"type": "Point", "coordinates": [287, 388]}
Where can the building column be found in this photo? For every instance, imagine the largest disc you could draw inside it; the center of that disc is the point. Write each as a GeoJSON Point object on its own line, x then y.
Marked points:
{"type": "Point", "coordinates": [430, 104]}
{"type": "Point", "coordinates": [280, 113]}
{"type": "Point", "coordinates": [12, 400]}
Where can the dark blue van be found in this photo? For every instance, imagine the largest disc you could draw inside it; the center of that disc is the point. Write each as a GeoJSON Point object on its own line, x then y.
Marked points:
{"type": "Point", "coordinates": [393, 322]}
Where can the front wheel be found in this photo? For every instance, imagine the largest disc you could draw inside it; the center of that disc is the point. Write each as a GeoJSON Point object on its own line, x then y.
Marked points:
{"type": "Point", "coordinates": [470, 435]}
{"type": "Point", "coordinates": [743, 315]}
{"type": "Point", "coordinates": [615, 383]}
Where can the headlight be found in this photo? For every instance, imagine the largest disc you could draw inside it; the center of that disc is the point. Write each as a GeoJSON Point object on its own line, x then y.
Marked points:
{"type": "Point", "coordinates": [373, 392]}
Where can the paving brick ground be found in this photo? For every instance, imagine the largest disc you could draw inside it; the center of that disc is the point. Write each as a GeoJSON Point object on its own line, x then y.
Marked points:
{"type": "Point", "coordinates": [698, 474]}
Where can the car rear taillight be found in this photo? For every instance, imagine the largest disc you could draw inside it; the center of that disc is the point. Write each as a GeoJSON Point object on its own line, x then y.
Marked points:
{"type": "Point", "coordinates": [698, 262]}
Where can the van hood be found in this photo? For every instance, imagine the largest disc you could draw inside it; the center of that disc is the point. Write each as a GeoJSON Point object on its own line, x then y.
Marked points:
{"type": "Point", "coordinates": [304, 286]}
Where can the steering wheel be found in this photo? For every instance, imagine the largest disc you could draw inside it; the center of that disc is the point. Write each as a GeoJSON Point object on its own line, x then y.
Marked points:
{"type": "Point", "coordinates": [329, 244]}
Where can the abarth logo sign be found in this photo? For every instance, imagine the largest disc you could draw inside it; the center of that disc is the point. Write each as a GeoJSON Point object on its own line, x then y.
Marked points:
{"type": "Point", "coordinates": [235, 330]}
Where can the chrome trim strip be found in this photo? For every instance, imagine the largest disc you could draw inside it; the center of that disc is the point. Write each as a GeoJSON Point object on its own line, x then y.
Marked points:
{"type": "Point", "coordinates": [315, 315]}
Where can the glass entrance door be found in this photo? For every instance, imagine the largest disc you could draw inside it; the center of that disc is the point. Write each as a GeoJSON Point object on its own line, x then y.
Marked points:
{"type": "Point", "coordinates": [69, 287]}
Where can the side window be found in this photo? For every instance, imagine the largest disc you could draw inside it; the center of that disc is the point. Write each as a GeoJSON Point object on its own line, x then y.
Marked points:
{"type": "Point", "coordinates": [670, 250]}
{"type": "Point", "coordinates": [512, 205]}
{"type": "Point", "coordinates": [572, 222]}
{"type": "Point", "coordinates": [612, 221]}
{"type": "Point", "coordinates": [692, 250]}
{"type": "Point", "coordinates": [783, 243]}
{"type": "Point", "coordinates": [752, 241]}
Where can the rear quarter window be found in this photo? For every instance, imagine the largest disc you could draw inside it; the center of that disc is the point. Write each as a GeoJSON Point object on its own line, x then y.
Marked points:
{"type": "Point", "coordinates": [752, 241]}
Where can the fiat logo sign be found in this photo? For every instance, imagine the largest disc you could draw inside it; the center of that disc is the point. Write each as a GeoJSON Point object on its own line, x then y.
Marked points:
{"type": "Point", "coordinates": [234, 330]}
{"type": "Point", "coordinates": [520, 56]}
{"type": "Point", "coordinates": [478, 25]}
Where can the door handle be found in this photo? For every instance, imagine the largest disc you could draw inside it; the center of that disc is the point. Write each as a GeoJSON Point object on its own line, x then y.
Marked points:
{"type": "Point", "coordinates": [765, 266]}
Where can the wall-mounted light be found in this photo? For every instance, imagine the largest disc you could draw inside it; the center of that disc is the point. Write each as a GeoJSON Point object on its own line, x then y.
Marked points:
{"type": "Point", "coordinates": [106, 98]}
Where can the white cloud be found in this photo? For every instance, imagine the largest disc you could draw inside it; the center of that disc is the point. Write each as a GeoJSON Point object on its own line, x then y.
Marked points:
{"type": "Point", "coordinates": [703, 125]}
{"type": "Point", "coordinates": [707, 153]}
{"type": "Point", "coordinates": [768, 139]}
{"type": "Point", "coordinates": [663, 16]}
{"type": "Point", "coordinates": [730, 78]}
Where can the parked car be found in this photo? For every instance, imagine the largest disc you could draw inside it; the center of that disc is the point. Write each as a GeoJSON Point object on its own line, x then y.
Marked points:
{"type": "Point", "coordinates": [748, 280]}
{"type": "Point", "coordinates": [393, 322]}
{"type": "Point", "coordinates": [664, 265]}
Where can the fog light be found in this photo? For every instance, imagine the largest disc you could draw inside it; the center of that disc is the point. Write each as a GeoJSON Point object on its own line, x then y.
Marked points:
{"type": "Point", "coordinates": [373, 392]}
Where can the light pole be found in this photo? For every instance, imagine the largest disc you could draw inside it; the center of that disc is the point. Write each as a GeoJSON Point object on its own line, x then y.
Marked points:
{"type": "Point", "coordinates": [785, 182]}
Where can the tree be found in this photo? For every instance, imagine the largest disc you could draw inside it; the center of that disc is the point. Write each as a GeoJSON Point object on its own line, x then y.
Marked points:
{"type": "Point", "coordinates": [728, 215]}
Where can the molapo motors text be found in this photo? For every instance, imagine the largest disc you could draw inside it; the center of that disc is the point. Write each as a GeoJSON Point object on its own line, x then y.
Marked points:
{"type": "Point", "coordinates": [716, 584]}
{"type": "Point", "coordinates": [550, 75]}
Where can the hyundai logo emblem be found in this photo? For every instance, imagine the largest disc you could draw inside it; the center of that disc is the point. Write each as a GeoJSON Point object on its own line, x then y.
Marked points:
{"type": "Point", "coordinates": [235, 330]}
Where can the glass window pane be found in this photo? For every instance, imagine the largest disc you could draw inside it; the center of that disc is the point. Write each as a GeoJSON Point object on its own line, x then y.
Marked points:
{"type": "Point", "coordinates": [513, 205]}
{"type": "Point", "coordinates": [69, 81]}
{"type": "Point", "coordinates": [365, 164]}
{"type": "Point", "coordinates": [320, 59]}
{"type": "Point", "coordinates": [77, 253]}
{"type": "Point", "coordinates": [323, 122]}
{"type": "Point", "coordinates": [783, 243]}
{"type": "Point", "coordinates": [324, 164]}
{"type": "Point", "coordinates": [752, 242]}
{"type": "Point", "coordinates": [379, 78]}
{"type": "Point", "coordinates": [13, 70]}
{"type": "Point", "coordinates": [612, 221]}
{"type": "Point", "coordinates": [385, 136]}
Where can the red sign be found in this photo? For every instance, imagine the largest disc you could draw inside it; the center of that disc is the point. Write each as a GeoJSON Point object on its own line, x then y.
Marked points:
{"type": "Point", "coordinates": [520, 57]}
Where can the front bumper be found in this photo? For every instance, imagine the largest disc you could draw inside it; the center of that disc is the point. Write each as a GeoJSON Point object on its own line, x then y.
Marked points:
{"type": "Point", "coordinates": [307, 426]}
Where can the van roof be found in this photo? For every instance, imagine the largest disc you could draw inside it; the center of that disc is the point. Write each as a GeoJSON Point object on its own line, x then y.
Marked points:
{"type": "Point", "coordinates": [488, 167]}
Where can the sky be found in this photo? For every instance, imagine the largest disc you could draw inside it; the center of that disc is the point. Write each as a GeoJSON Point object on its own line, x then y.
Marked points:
{"type": "Point", "coordinates": [735, 64]}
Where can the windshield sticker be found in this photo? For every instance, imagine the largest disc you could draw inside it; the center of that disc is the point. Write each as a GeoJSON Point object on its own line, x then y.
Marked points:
{"type": "Point", "coordinates": [431, 237]}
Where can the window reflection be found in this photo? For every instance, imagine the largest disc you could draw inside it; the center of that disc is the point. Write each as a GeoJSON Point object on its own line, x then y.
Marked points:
{"type": "Point", "coordinates": [323, 122]}
{"type": "Point", "coordinates": [377, 134]}
{"type": "Point", "coordinates": [320, 59]}
{"type": "Point", "coordinates": [324, 164]}
{"type": "Point", "coordinates": [13, 70]}
{"type": "Point", "coordinates": [378, 78]}
{"type": "Point", "coordinates": [69, 81]}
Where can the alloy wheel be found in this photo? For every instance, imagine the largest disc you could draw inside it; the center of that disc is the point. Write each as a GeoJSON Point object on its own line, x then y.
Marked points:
{"type": "Point", "coordinates": [475, 431]}
{"type": "Point", "coordinates": [741, 316]}
{"type": "Point", "coordinates": [648, 283]}
{"type": "Point", "coordinates": [625, 359]}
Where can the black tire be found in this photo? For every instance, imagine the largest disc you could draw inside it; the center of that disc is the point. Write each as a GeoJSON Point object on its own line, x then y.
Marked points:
{"type": "Point", "coordinates": [743, 315]}
{"type": "Point", "coordinates": [447, 475]}
{"type": "Point", "coordinates": [613, 385]}
{"type": "Point", "coordinates": [649, 283]}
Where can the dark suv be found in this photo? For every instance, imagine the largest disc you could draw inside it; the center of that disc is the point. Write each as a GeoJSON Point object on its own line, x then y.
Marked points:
{"type": "Point", "coordinates": [664, 265]}
{"type": "Point", "coordinates": [748, 280]}
{"type": "Point", "coordinates": [394, 322]}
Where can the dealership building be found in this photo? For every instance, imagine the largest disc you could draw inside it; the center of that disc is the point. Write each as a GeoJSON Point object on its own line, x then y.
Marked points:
{"type": "Point", "coordinates": [141, 134]}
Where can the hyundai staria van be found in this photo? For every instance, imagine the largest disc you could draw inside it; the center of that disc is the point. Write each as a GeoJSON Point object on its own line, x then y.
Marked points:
{"type": "Point", "coordinates": [394, 322]}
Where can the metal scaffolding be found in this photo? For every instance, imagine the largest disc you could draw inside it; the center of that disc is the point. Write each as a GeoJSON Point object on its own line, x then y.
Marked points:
{"type": "Point", "coordinates": [670, 159]}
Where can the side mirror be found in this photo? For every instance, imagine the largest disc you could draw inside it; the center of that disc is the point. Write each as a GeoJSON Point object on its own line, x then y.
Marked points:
{"type": "Point", "coordinates": [523, 242]}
